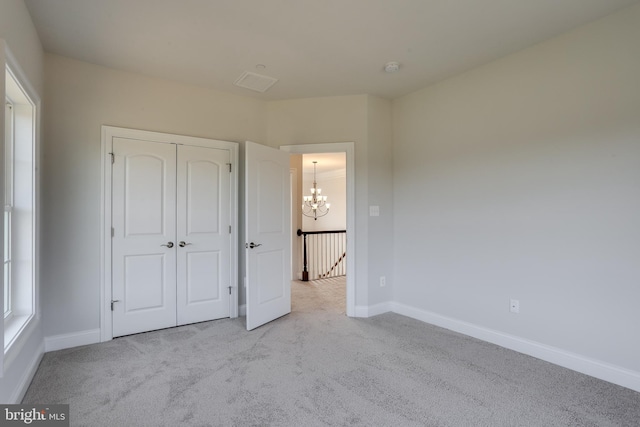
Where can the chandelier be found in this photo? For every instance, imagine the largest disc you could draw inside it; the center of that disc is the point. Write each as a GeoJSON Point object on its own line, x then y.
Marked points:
{"type": "Point", "coordinates": [315, 205]}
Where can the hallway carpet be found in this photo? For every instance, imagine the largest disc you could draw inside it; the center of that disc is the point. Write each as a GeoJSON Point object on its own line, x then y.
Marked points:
{"type": "Point", "coordinates": [317, 367]}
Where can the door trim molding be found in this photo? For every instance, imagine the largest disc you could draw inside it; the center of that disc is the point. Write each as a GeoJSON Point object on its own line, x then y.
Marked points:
{"type": "Point", "coordinates": [108, 133]}
{"type": "Point", "coordinates": [349, 149]}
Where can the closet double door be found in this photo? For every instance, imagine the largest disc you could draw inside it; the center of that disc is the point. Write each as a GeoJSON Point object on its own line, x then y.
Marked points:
{"type": "Point", "coordinates": [170, 235]}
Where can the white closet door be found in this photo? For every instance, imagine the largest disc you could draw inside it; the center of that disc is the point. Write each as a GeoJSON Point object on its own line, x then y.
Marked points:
{"type": "Point", "coordinates": [203, 236]}
{"type": "Point", "coordinates": [144, 230]}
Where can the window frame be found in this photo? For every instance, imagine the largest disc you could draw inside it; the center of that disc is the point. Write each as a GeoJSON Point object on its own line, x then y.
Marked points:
{"type": "Point", "coordinates": [23, 321]}
{"type": "Point", "coordinates": [9, 142]}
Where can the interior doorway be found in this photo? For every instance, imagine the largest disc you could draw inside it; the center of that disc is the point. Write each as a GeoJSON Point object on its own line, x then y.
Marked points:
{"type": "Point", "coordinates": [322, 153]}
{"type": "Point", "coordinates": [319, 222]}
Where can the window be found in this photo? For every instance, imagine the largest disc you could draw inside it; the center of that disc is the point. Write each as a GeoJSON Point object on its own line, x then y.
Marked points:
{"type": "Point", "coordinates": [8, 204]}
{"type": "Point", "coordinates": [19, 208]}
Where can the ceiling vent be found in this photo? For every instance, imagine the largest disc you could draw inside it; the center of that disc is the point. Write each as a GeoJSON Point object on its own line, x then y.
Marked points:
{"type": "Point", "coordinates": [253, 81]}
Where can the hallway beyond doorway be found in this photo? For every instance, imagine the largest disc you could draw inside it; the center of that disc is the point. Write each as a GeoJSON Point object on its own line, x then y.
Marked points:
{"type": "Point", "coordinates": [319, 295]}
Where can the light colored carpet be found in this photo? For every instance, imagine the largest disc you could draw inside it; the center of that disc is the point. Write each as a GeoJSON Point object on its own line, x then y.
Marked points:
{"type": "Point", "coordinates": [317, 367]}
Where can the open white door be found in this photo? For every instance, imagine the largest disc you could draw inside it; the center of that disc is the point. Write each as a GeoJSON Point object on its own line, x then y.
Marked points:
{"type": "Point", "coordinates": [268, 228]}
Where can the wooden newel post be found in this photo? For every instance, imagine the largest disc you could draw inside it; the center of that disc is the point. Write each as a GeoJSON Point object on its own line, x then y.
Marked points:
{"type": "Point", "coordinates": [305, 273]}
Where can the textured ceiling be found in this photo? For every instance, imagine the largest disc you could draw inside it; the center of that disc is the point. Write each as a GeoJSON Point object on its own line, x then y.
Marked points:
{"type": "Point", "coordinates": [314, 47]}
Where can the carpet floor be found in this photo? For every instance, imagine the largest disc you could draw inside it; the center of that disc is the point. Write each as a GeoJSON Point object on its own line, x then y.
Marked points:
{"type": "Point", "coordinates": [317, 367]}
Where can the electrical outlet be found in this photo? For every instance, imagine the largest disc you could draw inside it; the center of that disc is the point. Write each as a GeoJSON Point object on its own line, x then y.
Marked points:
{"type": "Point", "coordinates": [383, 281]}
{"type": "Point", "coordinates": [514, 306]}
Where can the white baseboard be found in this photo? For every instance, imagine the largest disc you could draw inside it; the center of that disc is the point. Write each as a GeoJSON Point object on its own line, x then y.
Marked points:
{"type": "Point", "coordinates": [381, 308]}
{"type": "Point", "coordinates": [573, 361]}
{"type": "Point", "coordinates": [361, 311]}
{"type": "Point", "coordinates": [73, 339]}
{"type": "Point", "coordinates": [373, 310]}
{"type": "Point", "coordinates": [27, 376]}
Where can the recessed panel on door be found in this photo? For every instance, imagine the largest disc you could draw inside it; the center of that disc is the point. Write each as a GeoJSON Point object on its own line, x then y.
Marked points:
{"type": "Point", "coordinates": [203, 196]}
{"type": "Point", "coordinates": [203, 234]}
{"type": "Point", "coordinates": [144, 194]}
{"type": "Point", "coordinates": [270, 197]}
{"type": "Point", "coordinates": [143, 282]}
{"type": "Point", "coordinates": [203, 278]}
{"type": "Point", "coordinates": [270, 265]}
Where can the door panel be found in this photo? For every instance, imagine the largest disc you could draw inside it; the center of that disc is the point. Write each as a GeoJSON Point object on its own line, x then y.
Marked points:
{"type": "Point", "coordinates": [203, 281]}
{"type": "Point", "coordinates": [268, 224]}
{"type": "Point", "coordinates": [270, 197]}
{"type": "Point", "coordinates": [203, 196]}
{"type": "Point", "coordinates": [143, 219]}
{"type": "Point", "coordinates": [203, 224]}
{"type": "Point", "coordinates": [270, 264]}
{"type": "Point", "coordinates": [144, 194]}
{"type": "Point", "coordinates": [143, 282]}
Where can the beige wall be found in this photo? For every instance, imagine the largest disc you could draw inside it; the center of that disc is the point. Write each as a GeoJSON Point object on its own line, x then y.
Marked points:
{"type": "Point", "coordinates": [17, 29]}
{"type": "Point", "coordinates": [323, 120]}
{"type": "Point", "coordinates": [520, 179]}
{"type": "Point", "coordinates": [515, 180]}
{"type": "Point", "coordinates": [380, 188]}
{"type": "Point", "coordinates": [334, 186]}
{"type": "Point", "coordinates": [364, 120]}
{"type": "Point", "coordinates": [80, 98]}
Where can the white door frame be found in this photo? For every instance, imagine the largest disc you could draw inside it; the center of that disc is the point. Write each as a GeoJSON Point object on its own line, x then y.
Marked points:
{"type": "Point", "coordinates": [293, 175]}
{"type": "Point", "coordinates": [349, 149]}
{"type": "Point", "coordinates": [108, 133]}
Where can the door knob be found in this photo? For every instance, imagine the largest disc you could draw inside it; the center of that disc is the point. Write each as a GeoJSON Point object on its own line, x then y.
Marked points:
{"type": "Point", "coordinates": [252, 245]}
{"type": "Point", "coordinates": [168, 244]}
{"type": "Point", "coordinates": [182, 244]}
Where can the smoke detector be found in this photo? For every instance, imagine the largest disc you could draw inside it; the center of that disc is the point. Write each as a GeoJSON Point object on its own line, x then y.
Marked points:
{"type": "Point", "coordinates": [392, 67]}
{"type": "Point", "coordinates": [254, 81]}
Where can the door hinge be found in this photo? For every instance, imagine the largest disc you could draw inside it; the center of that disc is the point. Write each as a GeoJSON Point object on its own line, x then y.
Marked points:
{"type": "Point", "coordinates": [113, 231]}
{"type": "Point", "coordinates": [229, 167]}
{"type": "Point", "coordinates": [229, 229]}
{"type": "Point", "coordinates": [229, 290]}
{"type": "Point", "coordinates": [113, 158]}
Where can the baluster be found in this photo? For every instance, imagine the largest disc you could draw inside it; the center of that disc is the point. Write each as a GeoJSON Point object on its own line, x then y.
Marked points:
{"type": "Point", "coordinates": [305, 273]}
{"type": "Point", "coordinates": [323, 254]}
{"type": "Point", "coordinates": [335, 255]}
{"type": "Point", "coordinates": [342, 241]}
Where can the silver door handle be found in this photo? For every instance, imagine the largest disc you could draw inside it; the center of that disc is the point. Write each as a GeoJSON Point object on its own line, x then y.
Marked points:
{"type": "Point", "coordinates": [182, 244]}
{"type": "Point", "coordinates": [168, 244]}
{"type": "Point", "coordinates": [252, 245]}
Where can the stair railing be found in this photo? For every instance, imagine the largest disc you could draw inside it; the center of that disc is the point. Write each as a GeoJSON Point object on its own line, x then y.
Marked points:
{"type": "Point", "coordinates": [324, 254]}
